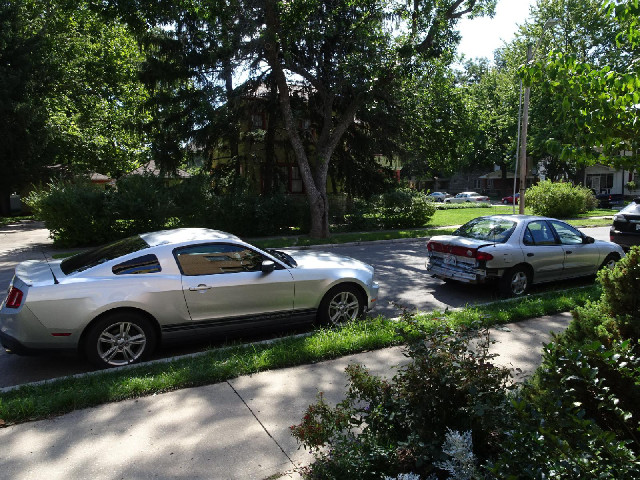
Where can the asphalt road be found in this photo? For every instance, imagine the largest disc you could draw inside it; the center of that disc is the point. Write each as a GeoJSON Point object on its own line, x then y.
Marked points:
{"type": "Point", "coordinates": [400, 271]}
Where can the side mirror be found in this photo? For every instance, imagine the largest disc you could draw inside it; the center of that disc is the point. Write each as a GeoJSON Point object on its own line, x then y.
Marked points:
{"type": "Point", "coordinates": [268, 266]}
{"type": "Point", "coordinates": [589, 240]}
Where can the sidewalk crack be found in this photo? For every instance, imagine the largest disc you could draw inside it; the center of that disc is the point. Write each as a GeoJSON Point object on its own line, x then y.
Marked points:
{"type": "Point", "coordinates": [261, 424]}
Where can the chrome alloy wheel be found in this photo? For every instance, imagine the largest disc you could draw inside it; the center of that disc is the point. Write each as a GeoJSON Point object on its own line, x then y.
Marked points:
{"type": "Point", "coordinates": [343, 307]}
{"type": "Point", "coordinates": [121, 343]}
{"type": "Point", "coordinates": [519, 283]}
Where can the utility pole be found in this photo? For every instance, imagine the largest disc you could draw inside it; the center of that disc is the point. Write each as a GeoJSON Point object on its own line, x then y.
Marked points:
{"type": "Point", "coordinates": [523, 138]}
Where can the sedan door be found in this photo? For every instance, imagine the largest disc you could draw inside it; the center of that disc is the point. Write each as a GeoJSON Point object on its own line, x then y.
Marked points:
{"type": "Point", "coordinates": [580, 258]}
{"type": "Point", "coordinates": [542, 251]}
{"type": "Point", "coordinates": [225, 288]}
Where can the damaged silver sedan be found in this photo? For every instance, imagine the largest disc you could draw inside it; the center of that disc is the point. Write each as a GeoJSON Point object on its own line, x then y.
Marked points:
{"type": "Point", "coordinates": [517, 251]}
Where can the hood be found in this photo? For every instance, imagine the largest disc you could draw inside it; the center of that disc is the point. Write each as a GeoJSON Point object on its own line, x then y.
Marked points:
{"type": "Point", "coordinates": [39, 272]}
{"type": "Point", "coordinates": [313, 259]}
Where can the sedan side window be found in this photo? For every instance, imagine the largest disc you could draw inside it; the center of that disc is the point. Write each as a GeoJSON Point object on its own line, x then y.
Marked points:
{"type": "Point", "coordinates": [144, 264]}
{"type": "Point", "coordinates": [539, 233]}
{"type": "Point", "coordinates": [217, 259]}
{"type": "Point", "coordinates": [568, 235]}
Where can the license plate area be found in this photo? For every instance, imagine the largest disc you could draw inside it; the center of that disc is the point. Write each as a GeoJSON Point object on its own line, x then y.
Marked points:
{"type": "Point", "coordinates": [450, 260]}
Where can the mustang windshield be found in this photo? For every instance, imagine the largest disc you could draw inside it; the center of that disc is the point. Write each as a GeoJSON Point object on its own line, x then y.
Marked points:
{"type": "Point", "coordinates": [492, 229]}
{"type": "Point", "coordinates": [96, 256]}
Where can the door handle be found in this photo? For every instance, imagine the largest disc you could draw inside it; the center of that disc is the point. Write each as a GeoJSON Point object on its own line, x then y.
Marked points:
{"type": "Point", "coordinates": [200, 288]}
{"type": "Point", "coordinates": [529, 254]}
{"type": "Point", "coordinates": [569, 252]}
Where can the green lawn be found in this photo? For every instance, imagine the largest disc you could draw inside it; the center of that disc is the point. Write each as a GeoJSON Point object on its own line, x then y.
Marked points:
{"type": "Point", "coordinates": [442, 222]}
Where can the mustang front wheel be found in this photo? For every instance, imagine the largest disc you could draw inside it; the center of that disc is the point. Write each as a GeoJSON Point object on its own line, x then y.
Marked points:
{"type": "Point", "coordinates": [341, 304]}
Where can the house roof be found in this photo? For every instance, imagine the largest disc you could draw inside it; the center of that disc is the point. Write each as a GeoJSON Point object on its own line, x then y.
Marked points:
{"type": "Point", "coordinates": [151, 168]}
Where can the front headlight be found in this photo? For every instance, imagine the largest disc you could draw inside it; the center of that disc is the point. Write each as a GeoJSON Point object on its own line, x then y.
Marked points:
{"type": "Point", "coordinates": [620, 218]}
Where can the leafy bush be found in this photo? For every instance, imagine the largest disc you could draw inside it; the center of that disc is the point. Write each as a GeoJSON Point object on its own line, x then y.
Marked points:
{"type": "Point", "coordinates": [620, 293]}
{"type": "Point", "coordinates": [390, 427]}
{"type": "Point", "coordinates": [76, 213]}
{"type": "Point", "coordinates": [579, 419]}
{"type": "Point", "coordinates": [559, 200]}
{"type": "Point", "coordinates": [401, 208]}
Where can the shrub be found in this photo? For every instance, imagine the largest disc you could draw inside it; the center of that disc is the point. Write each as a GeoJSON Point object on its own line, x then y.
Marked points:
{"type": "Point", "coordinates": [390, 427]}
{"type": "Point", "coordinates": [559, 200]}
{"type": "Point", "coordinates": [76, 213]}
{"type": "Point", "coordinates": [401, 208]}
{"type": "Point", "coordinates": [579, 419]}
{"type": "Point", "coordinates": [620, 293]}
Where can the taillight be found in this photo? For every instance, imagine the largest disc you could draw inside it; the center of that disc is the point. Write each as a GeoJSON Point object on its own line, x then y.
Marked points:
{"type": "Point", "coordinates": [434, 247]}
{"type": "Point", "coordinates": [483, 256]}
{"type": "Point", "coordinates": [14, 299]}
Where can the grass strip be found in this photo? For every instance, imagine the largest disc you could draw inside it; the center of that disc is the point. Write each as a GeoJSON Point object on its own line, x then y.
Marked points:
{"type": "Point", "coordinates": [56, 397]}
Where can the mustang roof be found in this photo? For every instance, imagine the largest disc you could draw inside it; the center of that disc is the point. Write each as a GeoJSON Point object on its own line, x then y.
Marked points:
{"type": "Point", "coordinates": [179, 235]}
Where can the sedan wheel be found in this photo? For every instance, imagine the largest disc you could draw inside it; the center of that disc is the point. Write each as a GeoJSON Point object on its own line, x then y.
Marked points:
{"type": "Point", "coordinates": [506, 202]}
{"type": "Point", "coordinates": [610, 261]}
{"type": "Point", "coordinates": [119, 339]}
{"type": "Point", "coordinates": [340, 305]}
{"type": "Point", "coordinates": [515, 282]}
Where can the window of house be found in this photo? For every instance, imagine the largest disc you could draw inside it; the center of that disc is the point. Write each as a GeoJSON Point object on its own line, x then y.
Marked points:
{"type": "Point", "coordinates": [258, 121]}
{"type": "Point", "coordinates": [290, 179]}
{"type": "Point", "coordinates": [600, 181]}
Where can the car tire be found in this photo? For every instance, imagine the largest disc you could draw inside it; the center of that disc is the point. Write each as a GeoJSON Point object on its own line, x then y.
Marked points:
{"type": "Point", "coordinates": [341, 304]}
{"type": "Point", "coordinates": [505, 202]}
{"type": "Point", "coordinates": [119, 339]}
{"type": "Point", "coordinates": [515, 282]}
{"type": "Point", "coordinates": [610, 261]}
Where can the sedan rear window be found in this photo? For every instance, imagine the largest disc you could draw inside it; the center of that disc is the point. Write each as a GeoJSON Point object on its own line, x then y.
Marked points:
{"type": "Point", "coordinates": [105, 253]}
{"type": "Point", "coordinates": [497, 230]}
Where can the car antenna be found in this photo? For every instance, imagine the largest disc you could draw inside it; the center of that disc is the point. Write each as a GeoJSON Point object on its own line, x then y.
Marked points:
{"type": "Point", "coordinates": [55, 280]}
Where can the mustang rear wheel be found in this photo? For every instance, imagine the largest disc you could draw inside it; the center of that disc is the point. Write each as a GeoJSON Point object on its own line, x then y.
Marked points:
{"type": "Point", "coordinates": [341, 304]}
{"type": "Point", "coordinates": [119, 339]}
{"type": "Point", "coordinates": [515, 281]}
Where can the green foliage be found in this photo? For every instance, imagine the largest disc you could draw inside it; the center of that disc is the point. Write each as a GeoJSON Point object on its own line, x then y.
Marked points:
{"type": "Point", "coordinates": [387, 427]}
{"type": "Point", "coordinates": [580, 418]}
{"type": "Point", "coordinates": [74, 213]}
{"type": "Point", "coordinates": [70, 92]}
{"type": "Point", "coordinates": [401, 208]}
{"type": "Point", "coordinates": [620, 293]}
{"type": "Point", "coordinates": [559, 200]}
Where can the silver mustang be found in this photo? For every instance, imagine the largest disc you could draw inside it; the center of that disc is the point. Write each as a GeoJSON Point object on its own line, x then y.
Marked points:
{"type": "Point", "coordinates": [517, 251]}
{"type": "Point", "coordinates": [116, 303]}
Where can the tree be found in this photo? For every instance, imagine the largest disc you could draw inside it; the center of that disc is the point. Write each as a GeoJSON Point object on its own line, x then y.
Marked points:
{"type": "Point", "coordinates": [348, 51]}
{"type": "Point", "coordinates": [70, 92]}
{"type": "Point", "coordinates": [342, 56]}
{"type": "Point", "coordinates": [595, 88]}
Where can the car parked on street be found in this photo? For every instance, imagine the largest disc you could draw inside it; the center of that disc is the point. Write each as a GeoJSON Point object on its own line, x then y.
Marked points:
{"type": "Point", "coordinates": [509, 199]}
{"type": "Point", "coordinates": [610, 200]}
{"type": "Point", "coordinates": [438, 196]}
{"type": "Point", "coordinates": [625, 230]}
{"type": "Point", "coordinates": [517, 251]}
{"type": "Point", "coordinates": [117, 302]}
{"type": "Point", "coordinates": [467, 197]}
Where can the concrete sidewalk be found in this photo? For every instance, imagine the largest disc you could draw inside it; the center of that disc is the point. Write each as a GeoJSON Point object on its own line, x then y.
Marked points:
{"type": "Point", "coordinates": [233, 430]}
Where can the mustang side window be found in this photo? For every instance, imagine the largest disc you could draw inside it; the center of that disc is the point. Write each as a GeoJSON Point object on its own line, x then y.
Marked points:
{"type": "Point", "coordinates": [144, 264]}
{"type": "Point", "coordinates": [217, 259]}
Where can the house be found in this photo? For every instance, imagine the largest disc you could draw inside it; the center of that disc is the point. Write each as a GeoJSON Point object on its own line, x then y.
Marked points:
{"type": "Point", "coordinates": [494, 183]}
{"type": "Point", "coordinates": [603, 179]}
